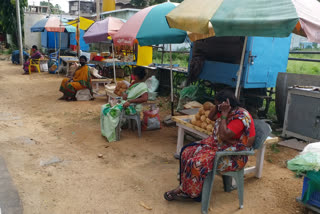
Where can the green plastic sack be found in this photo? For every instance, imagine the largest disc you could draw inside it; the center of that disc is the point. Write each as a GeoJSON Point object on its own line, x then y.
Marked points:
{"type": "Point", "coordinates": [309, 161]}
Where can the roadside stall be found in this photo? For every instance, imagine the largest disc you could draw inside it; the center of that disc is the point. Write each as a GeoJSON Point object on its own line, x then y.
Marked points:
{"type": "Point", "coordinates": [237, 20]}
{"type": "Point", "coordinates": [149, 27]}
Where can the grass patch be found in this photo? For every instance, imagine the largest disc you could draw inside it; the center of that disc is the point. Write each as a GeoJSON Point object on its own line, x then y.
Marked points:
{"type": "Point", "coordinates": [274, 148]}
{"type": "Point", "coordinates": [177, 58]}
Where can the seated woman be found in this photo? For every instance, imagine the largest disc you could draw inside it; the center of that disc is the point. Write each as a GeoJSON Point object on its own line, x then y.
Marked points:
{"type": "Point", "coordinates": [80, 80]}
{"type": "Point", "coordinates": [233, 131]}
{"type": "Point", "coordinates": [34, 54]}
{"type": "Point", "coordinates": [136, 94]}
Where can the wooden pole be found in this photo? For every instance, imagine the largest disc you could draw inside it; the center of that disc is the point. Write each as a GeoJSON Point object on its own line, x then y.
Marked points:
{"type": "Point", "coordinates": [171, 82]}
{"type": "Point", "coordinates": [237, 93]}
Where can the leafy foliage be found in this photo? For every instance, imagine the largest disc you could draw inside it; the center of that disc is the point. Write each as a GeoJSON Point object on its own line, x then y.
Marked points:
{"type": "Point", "coordinates": [139, 3]}
{"type": "Point", "coordinates": [8, 18]}
{"type": "Point", "coordinates": [51, 7]}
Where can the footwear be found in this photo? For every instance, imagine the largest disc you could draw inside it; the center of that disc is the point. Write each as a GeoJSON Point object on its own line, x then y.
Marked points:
{"type": "Point", "coordinates": [170, 196]}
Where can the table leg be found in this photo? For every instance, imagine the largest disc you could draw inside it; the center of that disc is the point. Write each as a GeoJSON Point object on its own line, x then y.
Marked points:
{"type": "Point", "coordinates": [259, 161]}
{"type": "Point", "coordinates": [180, 140]}
{"type": "Point", "coordinates": [67, 68]}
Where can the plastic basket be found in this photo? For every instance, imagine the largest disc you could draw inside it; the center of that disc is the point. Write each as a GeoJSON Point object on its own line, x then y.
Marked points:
{"type": "Point", "coordinates": [315, 197]}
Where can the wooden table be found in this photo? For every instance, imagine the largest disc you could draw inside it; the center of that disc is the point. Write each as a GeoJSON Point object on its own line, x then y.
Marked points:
{"type": "Point", "coordinates": [183, 123]}
{"type": "Point", "coordinates": [68, 60]}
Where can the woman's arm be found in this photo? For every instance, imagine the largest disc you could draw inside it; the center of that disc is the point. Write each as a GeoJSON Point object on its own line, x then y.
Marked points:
{"type": "Point", "coordinates": [143, 98]}
{"type": "Point", "coordinates": [225, 134]}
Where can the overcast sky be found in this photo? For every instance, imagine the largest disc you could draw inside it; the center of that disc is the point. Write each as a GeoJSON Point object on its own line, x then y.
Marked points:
{"type": "Point", "coordinates": [64, 4]}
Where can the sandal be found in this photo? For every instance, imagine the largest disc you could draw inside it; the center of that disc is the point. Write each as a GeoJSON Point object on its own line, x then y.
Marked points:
{"type": "Point", "coordinates": [170, 196]}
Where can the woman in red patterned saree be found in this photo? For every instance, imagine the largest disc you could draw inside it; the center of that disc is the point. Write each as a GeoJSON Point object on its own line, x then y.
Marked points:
{"type": "Point", "coordinates": [233, 131]}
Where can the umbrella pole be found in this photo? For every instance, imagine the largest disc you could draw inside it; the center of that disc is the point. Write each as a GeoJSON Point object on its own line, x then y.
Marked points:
{"type": "Point", "coordinates": [171, 82]}
{"type": "Point", "coordinates": [237, 93]}
{"type": "Point", "coordinates": [55, 42]}
{"type": "Point", "coordinates": [114, 65]}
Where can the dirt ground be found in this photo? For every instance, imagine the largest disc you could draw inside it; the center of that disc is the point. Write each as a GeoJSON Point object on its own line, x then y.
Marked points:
{"type": "Point", "coordinates": [35, 127]}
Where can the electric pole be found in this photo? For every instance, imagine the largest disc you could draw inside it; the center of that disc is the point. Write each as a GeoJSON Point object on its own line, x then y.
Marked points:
{"type": "Point", "coordinates": [19, 31]}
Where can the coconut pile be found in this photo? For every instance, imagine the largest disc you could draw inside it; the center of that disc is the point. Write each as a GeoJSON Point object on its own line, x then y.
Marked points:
{"type": "Point", "coordinates": [201, 118]}
{"type": "Point", "coordinates": [120, 88]}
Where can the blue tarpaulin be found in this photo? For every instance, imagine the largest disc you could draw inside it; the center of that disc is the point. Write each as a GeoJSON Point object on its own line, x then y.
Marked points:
{"type": "Point", "coordinates": [51, 40]}
{"type": "Point", "coordinates": [83, 45]}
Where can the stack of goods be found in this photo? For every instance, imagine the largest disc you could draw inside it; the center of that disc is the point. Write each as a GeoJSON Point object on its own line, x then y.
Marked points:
{"type": "Point", "coordinates": [120, 88]}
{"type": "Point", "coordinates": [201, 118]}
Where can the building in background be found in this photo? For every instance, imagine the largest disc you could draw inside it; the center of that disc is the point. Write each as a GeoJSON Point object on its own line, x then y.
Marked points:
{"type": "Point", "coordinates": [86, 8]}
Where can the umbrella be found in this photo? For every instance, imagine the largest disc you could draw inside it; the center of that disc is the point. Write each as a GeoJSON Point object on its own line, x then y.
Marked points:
{"type": "Point", "coordinates": [52, 24]}
{"type": "Point", "coordinates": [80, 23]}
{"type": "Point", "coordinates": [100, 30]}
{"type": "Point", "coordinates": [273, 18]}
{"type": "Point", "coordinates": [149, 27]}
{"type": "Point", "coordinates": [84, 23]}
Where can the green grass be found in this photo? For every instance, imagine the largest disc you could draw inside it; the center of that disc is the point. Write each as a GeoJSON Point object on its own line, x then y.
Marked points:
{"type": "Point", "coordinates": [177, 58]}
{"type": "Point", "coordinates": [300, 67]}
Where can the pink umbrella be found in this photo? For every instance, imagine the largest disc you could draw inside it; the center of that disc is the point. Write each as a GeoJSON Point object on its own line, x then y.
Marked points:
{"type": "Point", "coordinates": [54, 24]}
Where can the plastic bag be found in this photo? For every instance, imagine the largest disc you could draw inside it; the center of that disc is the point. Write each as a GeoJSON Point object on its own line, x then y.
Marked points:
{"type": "Point", "coordinates": [312, 147]}
{"type": "Point", "coordinates": [152, 84]}
{"type": "Point", "coordinates": [305, 162]}
{"type": "Point", "coordinates": [151, 120]}
{"type": "Point", "coordinates": [44, 67]}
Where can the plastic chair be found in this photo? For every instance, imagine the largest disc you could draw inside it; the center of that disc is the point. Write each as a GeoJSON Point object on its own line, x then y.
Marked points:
{"type": "Point", "coordinates": [131, 119]}
{"type": "Point", "coordinates": [35, 63]}
{"type": "Point", "coordinates": [54, 55]}
{"type": "Point", "coordinates": [262, 132]}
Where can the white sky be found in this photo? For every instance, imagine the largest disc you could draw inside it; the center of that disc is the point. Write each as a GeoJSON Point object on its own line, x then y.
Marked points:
{"type": "Point", "coordinates": [64, 4]}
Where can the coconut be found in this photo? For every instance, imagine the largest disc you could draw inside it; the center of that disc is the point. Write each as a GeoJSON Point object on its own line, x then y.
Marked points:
{"type": "Point", "coordinates": [207, 106]}
{"type": "Point", "coordinates": [208, 121]}
{"type": "Point", "coordinates": [198, 123]}
{"type": "Point", "coordinates": [197, 116]}
{"type": "Point", "coordinates": [204, 125]}
{"type": "Point", "coordinates": [201, 111]}
{"type": "Point", "coordinates": [203, 118]}
{"type": "Point", "coordinates": [207, 113]}
{"type": "Point", "coordinates": [209, 127]}
{"type": "Point", "coordinates": [193, 121]}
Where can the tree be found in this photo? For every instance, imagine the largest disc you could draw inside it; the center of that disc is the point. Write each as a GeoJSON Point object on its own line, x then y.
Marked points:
{"type": "Point", "coordinates": [139, 3]}
{"type": "Point", "coordinates": [51, 7]}
{"type": "Point", "coordinates": [8, 17]}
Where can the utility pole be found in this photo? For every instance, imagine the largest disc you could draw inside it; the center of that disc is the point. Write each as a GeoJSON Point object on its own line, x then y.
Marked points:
{"type": "Point", "coordinates": [19, 31]}
{"type": "Point", "coordinates": [98, 10]}
{"type": "Point", "coordinates": [49, 8]}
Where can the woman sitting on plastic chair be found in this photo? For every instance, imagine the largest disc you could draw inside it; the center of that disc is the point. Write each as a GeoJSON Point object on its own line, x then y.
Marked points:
{"type": "Point", "coordinates": [136, 94]}
{"type": "Point", "coordinates": [233, 131]}
{"type": "Point", "coordinates": [80, 80]}
{"type": "Point", "coordinates": [34, 54]}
